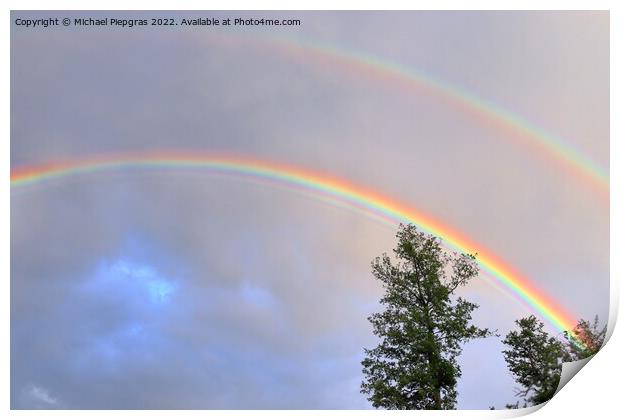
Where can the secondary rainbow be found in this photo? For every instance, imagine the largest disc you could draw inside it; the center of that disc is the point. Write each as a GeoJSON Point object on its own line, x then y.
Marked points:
{"type": "Point", "coordinates": [408, 78]}
{"type": "Point", "coordinates": [322, 185]}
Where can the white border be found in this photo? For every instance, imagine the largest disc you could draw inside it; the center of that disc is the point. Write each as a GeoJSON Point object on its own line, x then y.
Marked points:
{"type": "Point", "coordinates": [592, 394]}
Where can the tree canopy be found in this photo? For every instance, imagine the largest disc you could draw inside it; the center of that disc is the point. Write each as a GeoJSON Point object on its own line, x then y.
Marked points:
{"type": "Point", "coordinates": [586, 339]}
{"type": "Point", "coordinates": [422, 327]}
{"type": "Point", "coordinates": [535, 358]}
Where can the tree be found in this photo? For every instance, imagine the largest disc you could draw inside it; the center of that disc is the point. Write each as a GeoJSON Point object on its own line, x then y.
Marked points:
{"type": "Point", "coordinates": [422, 328]}
{"type": "Point", "coordinates": [586, 339]}
{"type": "Point", "coordinates": [535, 360]}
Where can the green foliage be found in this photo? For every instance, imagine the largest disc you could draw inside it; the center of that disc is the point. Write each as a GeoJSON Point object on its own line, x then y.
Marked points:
{"type": "Point", "coordinates": [422, 328]}
{"type": "Point", "coordinates": [586, 339]}
{"type": "Point", "coordinates": [535, 360]}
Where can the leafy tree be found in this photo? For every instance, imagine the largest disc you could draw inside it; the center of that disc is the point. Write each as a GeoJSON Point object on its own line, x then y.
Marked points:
{"type": "Point", "coordinates": [422, 327]}
{"type": "Point", "coordinates": [535, 360]}
{"type": "Point", "coordinates": [586, 339]}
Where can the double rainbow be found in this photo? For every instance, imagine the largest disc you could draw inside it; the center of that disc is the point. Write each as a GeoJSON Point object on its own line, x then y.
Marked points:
{"type": "Point", "coordinates": [323, 186]}
{"type": "Point", "coordinates": [412, 80]}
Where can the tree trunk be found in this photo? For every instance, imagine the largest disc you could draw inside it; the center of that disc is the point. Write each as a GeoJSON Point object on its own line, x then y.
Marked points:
{"type": "Point", "coordinates": [433, 361]}
{"type": "Point", "coordinates": [437, 398]}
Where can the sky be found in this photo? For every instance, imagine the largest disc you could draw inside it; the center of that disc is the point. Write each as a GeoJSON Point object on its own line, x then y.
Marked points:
{"type": "Point", "coordinates": [170, 288]}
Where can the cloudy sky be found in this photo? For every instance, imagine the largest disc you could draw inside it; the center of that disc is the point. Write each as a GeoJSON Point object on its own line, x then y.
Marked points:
{"type": "Point", "coordinates": [179, 289]}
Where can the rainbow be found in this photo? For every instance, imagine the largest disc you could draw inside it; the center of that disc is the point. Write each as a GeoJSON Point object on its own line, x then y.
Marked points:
{"type": "Point", "coordinates": [410, 79]}
{"type": "Point", "coordinates": [322, 185]}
